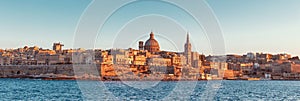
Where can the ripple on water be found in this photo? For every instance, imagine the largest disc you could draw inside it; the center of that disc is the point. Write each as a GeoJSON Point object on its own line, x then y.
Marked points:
{"type": "Point", "coordinates": [21, 89]}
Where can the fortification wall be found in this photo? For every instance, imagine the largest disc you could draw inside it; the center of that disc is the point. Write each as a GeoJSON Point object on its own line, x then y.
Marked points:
{"type": "Point", "coordinates": [68, 70]}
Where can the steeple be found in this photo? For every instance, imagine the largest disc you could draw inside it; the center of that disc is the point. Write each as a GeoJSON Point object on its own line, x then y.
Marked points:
{"type": "Point", "coordinates": [188, 50]}
{"type": "Point", "coordinates": [187, 38]}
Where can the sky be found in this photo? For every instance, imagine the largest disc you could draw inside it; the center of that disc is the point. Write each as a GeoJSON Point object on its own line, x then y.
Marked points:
{"type": "Point", "coordinates": [270, 26]}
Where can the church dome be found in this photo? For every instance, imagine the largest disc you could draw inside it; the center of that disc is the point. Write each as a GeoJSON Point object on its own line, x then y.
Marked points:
{"type": "Point", "coordinates": [151, 44]}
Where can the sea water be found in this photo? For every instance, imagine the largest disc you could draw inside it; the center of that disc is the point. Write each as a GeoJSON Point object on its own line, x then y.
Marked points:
{"type": "Point", "coordinates": [29, 89]}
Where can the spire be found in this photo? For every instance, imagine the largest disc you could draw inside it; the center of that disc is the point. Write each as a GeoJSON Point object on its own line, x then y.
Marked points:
{"type": "Point", "coordinates": [187, 38]}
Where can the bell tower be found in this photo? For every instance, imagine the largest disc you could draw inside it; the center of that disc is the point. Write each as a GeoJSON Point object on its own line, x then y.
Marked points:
{"type": "Point", "coordinates": [188, 50]}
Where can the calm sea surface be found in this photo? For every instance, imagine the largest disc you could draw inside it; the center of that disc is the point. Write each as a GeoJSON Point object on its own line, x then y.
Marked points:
{"type": "Point", "coordinates": [27, 89]}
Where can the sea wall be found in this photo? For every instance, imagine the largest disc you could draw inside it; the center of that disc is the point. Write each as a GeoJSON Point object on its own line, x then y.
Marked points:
{"type": "Point", "coordinates": [6, 71]}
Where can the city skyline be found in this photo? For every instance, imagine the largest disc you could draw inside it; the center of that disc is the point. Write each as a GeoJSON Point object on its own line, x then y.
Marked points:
{"type": "Point", "coordinates": [31, 26]}
{"type": "Point", "coordinates": [149, 50]}
{"type": "Point", "coordinates": [149, 59]}
{"type": "Point", "coordinates": [137, 48]}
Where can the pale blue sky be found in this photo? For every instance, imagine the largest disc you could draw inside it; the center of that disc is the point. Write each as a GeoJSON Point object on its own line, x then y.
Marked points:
{"type": "Point", "coordinates": [259, 25]}
{"type": "Point", "coordinates": [248, 25]}
{"type": "Point", "coordinates": [39, 22]}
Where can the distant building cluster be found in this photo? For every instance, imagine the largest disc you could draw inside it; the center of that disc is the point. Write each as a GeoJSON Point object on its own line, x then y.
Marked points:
{"type": "Point", "coordinates": [37, 56]}
{"type": "Point", "coordinates": [263, 65]}
{"type": "Point", "coordinates": [148, 61]}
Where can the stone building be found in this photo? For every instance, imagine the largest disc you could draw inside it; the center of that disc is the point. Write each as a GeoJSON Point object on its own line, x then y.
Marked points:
{"type": "Point", "coordinates": [158, 61]}
{"type": "Point", "coordinates": [57, 47]}
{"type": "Point", "coordinates": [47, 59]}
{"type": "Point", "coordinates": [139, 60]}
{"type": "Point", "coordinates": [178, 60]}
{"type": "Point", "coordinates": [5, 60]}
{"type": "Point", "coordinates": [195, 59]}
